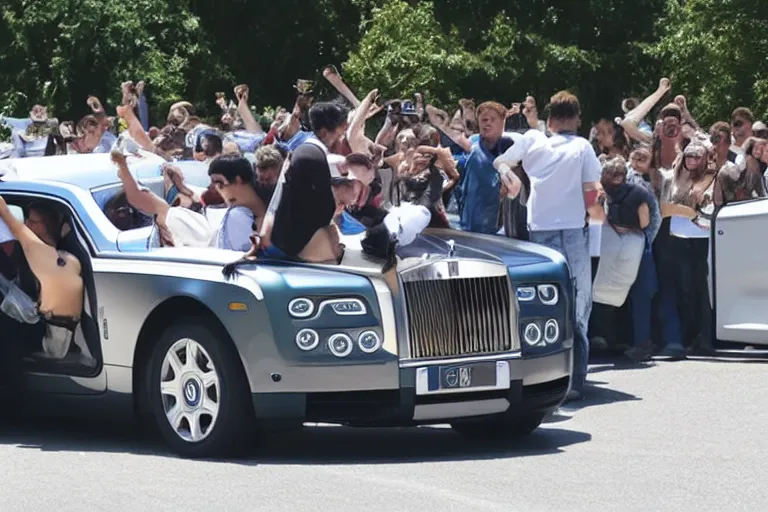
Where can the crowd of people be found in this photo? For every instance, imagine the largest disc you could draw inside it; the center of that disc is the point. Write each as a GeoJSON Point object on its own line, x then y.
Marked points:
{"type": "Point", "coordinates": [641, 186]}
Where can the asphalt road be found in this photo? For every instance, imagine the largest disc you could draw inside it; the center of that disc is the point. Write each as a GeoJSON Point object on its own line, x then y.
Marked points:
{"type": "Point", "coordinates": [672, 436]}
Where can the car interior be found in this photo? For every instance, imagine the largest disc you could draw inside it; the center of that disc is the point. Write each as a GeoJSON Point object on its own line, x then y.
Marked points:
{"type": "Point", "coordinates": [81, 354]}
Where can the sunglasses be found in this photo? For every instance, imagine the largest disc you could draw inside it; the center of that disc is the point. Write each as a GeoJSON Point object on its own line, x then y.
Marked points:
{"type": "Point", "coordinates": [763, 134]}
{"type": "Point", "coordinates": [738, 123]}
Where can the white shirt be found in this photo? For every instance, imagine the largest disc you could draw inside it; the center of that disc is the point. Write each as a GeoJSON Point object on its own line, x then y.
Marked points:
{"type": "Point", "coordinates": [557, 167]}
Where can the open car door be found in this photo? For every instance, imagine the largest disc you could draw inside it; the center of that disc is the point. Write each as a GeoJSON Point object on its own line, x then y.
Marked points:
{"type": "Point", "coordinates": [740, 272]}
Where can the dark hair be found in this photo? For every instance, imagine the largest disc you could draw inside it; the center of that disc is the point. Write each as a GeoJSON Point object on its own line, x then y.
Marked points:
{"type": "Point", "coordinates": [327, 115]}
{"type": "Point", "coordinates": [214, 145]}
{"type": "Point", "coordinates": [359, 159]}
{"type": "Point", "coordinates": [671, 110]}
{"type": "Point", "coordinates": [720, 127]}
{"type": "Point", "coordinates": [427, 135]}
{"type": "Point", "coordinates": [232, 166]}
{"type": "Point", "coordinates": [52, 218]}
{"type": "Point", "coordinates": [564, 106]}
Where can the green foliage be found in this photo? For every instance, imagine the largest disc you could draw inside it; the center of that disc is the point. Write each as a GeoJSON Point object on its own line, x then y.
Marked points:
{"type": "Point", "coordinates": [403, 51]}
{"type": "Point", "coordinates": [59, 52]}
{"type": "Point", "coordinates": [712, 50]}
{"type": "Point", "coordinates": [89, 47]}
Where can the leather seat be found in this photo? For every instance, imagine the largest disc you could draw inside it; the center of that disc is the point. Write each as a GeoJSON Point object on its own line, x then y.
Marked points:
{"type": "Point", "coordinates": [88, 331]}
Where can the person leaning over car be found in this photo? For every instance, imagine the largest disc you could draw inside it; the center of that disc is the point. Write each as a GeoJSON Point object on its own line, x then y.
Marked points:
{"type": "Point", "coordinates": [564, 174]}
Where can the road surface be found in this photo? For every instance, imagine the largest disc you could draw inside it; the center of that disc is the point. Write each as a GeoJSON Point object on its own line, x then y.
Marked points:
{"type": "Point", "coordinates": [672, 436]}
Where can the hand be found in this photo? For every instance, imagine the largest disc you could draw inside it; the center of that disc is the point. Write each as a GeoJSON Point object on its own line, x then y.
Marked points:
{"type": "Point", "coordinates": [221, 100]}
{"type": "Point", "coordinates": [420, 162]}
{"type": "Point", "coordinates": [129, 93]}
{"type": "Point", "coordinates": [95, 105]}
{"type": "Point", "coordinates": [330, 70]}
{"type": "Point", "coordinates": [665, 84]}
{"type": "Point", "coordinates": [681, 102]}
{"type": "Point", "coordinates": [372, 96]}
{"type": "Point", "coordinates": [513, 110]}
{"type": "Point", "coordinates": [375, 109]}
{"type": "Point", "coordinates": [242, 93]}
{"type": "Point", "coordinates": [118, 158]}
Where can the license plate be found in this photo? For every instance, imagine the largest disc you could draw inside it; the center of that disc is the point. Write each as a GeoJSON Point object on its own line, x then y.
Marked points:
{"type": "Point", "coordinates": [457, 378]}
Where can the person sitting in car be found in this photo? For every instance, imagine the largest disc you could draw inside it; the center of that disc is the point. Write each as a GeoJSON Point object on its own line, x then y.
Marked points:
{"type": "Point", "coordinates": [233, 177]}
{"type": "Point", "coordinates": [301, 226]}
{"type": "Point", "coordinates": [59, 290]}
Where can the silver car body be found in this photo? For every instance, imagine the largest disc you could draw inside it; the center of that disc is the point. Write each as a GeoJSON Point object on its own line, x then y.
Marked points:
{"type": "Point", "coordinates": [136, 292]}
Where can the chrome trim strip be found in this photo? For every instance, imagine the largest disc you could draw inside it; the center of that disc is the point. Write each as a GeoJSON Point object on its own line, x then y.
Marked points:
{"type": "Point", "coordinates": [453, 269]}
{"type": "Point", "coordinates": [460, 409]}
{"type": "Point", "coordinates": [387, 309]}
{"type": "Point", "coordinates": [330, 302]}
{"type": "Point", "coordinates": [211, 273]}
{"type": "Point", "coordinates": [412, 363]}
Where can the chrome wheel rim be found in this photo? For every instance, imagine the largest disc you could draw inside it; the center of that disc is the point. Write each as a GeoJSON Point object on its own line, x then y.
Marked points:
{"type": "Point", "coordinates": [190, 389]}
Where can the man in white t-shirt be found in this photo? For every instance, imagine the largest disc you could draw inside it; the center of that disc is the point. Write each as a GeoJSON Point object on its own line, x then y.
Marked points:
{"type": "Point", "coordinates": [564, 173]}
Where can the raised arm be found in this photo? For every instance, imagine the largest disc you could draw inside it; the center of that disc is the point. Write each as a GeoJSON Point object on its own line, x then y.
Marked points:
{"type": "Point", "coordinates": [441, 121]}
{"type": "Point", "coordinates": [250, 122]}
{"type": "Point", "coordinates": [632, 119]}
{"type": "Point", "coordinates": [356, 132]}
{"type": "Point", "coordinates": [135, 129]}
{"type": "Point", "coordinates": [25, 236]}
{"type": "Point", "coordinates": [144, 200]}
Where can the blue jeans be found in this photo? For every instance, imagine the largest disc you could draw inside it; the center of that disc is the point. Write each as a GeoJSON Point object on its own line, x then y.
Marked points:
{"type": "Point", "coordinates": [573, 244]}
{"type": "Point", "coordinates": [641, 297]}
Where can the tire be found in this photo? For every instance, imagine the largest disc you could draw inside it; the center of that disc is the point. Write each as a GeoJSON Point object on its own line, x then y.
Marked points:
{"type": "Point", "coordinates": [214, 412]}
{"type": "Point", "coordinates": [510, 425]}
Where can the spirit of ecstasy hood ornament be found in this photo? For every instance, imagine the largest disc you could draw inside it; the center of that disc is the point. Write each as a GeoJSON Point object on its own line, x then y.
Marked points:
{"type": "Point", "coordinates": [451, 248]}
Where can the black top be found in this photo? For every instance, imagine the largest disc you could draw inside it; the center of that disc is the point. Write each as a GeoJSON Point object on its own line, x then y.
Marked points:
{"type": "Point", "coordinates": [306, 203]}
{"type": "Point", "coordinates": [16, 266]}
{"type": "Point", "coordinates": [623, 203]}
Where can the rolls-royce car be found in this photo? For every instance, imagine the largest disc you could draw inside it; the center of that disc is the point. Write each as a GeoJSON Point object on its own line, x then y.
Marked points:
{"type": "Point", "coordinates": [467, 330]}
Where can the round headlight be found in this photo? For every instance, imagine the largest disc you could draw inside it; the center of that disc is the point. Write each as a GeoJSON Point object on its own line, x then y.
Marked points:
{"type": "Point", "coordinates": [301, 308]}
{"type": "Point", "coordinates": [307, 339]}
{"type": "Point", "coordinates": [532, 334]}
{"type": "Point", "coordinates": [369, 342]}
{"type": "Point", "coordinates": [548, 294]}
{"type": "Point", "coordinates": [340, 345]}
{"type": "Point", "coordinates": [551, 331]}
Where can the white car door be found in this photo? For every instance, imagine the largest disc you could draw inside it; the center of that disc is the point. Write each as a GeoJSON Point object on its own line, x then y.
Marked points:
{"type": "Point", "coordinates": [740, 265]}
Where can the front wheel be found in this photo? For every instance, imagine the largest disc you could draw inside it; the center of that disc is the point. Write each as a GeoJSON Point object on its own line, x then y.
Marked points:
{"type": "Point", "coordinates": [197, 390]}
{"type": "Point", "coordinates": [509, 425]}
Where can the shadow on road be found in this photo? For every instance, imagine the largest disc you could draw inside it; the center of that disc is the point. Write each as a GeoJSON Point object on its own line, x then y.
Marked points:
{"type": "Point", "coordinates": [313, 445]}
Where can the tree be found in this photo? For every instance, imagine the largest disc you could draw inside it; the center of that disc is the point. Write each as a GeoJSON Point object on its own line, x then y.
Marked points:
{"type": "Point", "coordinates": [60, 52]}
{"type": "Point", "coordinates": [713, 51]}
{"type": "Point", "coordinates": [403, 51]}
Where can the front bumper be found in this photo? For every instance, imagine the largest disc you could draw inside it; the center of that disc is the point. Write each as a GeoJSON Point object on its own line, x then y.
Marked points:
{"type": "Point", "coordinates": [536, 384]}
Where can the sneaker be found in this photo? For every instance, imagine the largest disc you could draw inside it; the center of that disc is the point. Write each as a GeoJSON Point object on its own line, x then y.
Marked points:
{"type": "Point", "coordinates": [640, 354]}
{"type": "Point", "coordinates": [673, 352]}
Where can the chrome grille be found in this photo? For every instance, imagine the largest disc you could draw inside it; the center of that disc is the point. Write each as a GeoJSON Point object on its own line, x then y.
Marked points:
{"type": "Point", "coordinates": [458, 317]}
